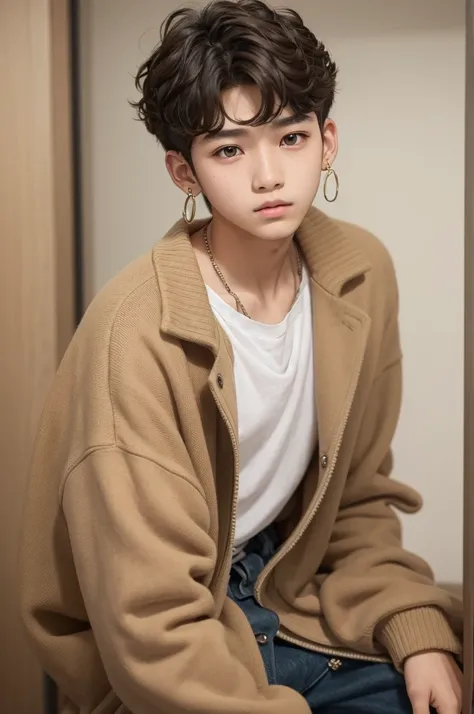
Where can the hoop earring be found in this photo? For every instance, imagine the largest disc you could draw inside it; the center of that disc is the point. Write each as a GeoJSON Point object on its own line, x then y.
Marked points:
{"type": "Point", "coordinates": [189, 200]}
{"type": "Point", "coordinates": [331, 172]}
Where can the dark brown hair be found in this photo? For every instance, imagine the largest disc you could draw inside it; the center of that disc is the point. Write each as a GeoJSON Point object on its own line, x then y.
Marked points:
{"type": "Point", "coordinates": [225, 44]}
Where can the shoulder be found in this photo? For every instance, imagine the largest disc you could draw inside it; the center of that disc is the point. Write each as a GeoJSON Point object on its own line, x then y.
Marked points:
{"type": "Point", "coordinates": [120, 327]}
{"type": "Point", "coordinates": [112, 348]}
{"type": "Point", "coordinates": [120, 299]}
{"type": "Point", "coordinates": [371, 246]}
{"type": "Point", "coordinates": [376, 291]}
{"type": "Point", "coordinates": [380, 285]}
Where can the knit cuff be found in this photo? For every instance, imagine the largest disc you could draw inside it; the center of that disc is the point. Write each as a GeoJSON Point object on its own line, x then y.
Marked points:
{"type": "Point", "coordinates": [421, 629]}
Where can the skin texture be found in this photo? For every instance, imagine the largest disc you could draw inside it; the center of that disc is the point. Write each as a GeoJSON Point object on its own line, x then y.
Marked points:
{"type": "Point", "coordinates": [238, 172]}
{"type": "Point", "coordinates": [433, 678]}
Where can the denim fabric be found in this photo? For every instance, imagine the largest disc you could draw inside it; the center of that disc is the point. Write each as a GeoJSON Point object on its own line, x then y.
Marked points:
{"type": "Point", "coordinates": [329, 685]}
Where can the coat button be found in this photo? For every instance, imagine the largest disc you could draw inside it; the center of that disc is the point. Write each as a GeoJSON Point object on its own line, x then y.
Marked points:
{"type": "Point", "coordinates": [220, 381]}
{"type": "Point", "coordinates": [324, 461]}
{"type": "Point", "coordinates": [334, 664]}
{"type": "Point", "coordinates": [261, 638]}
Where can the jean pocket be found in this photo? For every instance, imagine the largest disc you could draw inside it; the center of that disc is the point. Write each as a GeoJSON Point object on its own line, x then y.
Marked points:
{"type": "Point", "coordinates": [266, 646]}
{"type": "Point", "coordinates": [299, 668]}
{"type": "Point", "coordinates": [319, 673]}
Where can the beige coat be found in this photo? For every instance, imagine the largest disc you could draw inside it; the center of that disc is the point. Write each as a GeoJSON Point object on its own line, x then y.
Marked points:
{"type": "Point", "coordinates": [132, 500]}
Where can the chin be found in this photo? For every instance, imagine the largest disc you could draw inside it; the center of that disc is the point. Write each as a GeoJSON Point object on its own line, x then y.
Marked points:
{"type": "Point", "coordinates": [277, 229]}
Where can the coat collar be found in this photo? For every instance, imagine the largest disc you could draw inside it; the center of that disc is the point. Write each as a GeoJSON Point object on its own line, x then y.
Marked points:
{"type": "Point", "coordinates": [331, 257]}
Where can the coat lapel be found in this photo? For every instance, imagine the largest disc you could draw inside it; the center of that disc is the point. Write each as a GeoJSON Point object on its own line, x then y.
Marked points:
{"type": "Point", "coordinates": [340, 336]}
{"type": "Point", "coordinates": [340, 329]}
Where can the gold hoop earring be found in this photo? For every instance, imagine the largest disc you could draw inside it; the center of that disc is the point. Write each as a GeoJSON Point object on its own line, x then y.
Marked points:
{"type": "Point", "coordinates": [189, 200]}
{"type": "Point", "coordinates": [331, 172]}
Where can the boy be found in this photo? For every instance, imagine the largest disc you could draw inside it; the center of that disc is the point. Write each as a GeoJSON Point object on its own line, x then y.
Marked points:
{"type": "Point", "coordinates": [210, 522]}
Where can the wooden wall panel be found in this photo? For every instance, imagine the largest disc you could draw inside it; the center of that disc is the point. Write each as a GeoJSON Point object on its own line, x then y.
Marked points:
{"type": "Point", "coordinates": [36, 283]}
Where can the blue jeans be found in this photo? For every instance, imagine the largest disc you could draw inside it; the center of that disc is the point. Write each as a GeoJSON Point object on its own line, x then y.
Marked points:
{"type": "Point", "coordinates": [330, 685]}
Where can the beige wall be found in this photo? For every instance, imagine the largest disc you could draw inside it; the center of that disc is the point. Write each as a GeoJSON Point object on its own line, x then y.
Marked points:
{"type": "Point", "coordinates": [400, 111]}
{"type": "Point", "coordinates": [36, 290]}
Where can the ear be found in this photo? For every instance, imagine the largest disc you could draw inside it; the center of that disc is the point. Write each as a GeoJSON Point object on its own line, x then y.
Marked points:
{"type": "Point", "coordinates": [330, 143]}
{"type": "Point", "coordinates": [181, 173]}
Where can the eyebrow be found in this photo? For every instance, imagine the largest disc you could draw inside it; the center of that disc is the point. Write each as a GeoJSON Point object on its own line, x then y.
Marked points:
{"type": "Point", "coordinates": [278, 123]}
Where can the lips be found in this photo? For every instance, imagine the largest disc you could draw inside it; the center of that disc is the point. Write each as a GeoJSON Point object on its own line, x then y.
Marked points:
{"type": "Point", "coordinates": [272, 204]}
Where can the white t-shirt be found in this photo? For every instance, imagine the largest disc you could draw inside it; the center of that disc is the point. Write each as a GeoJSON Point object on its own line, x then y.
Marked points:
{"type": "Point", "coordinates": [274, 377]}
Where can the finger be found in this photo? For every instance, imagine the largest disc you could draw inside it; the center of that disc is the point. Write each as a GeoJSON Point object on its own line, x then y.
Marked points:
{"type": "Point", "coordinates": [450, 706]}
{"type": "Point", "coordinates": [420, 702]}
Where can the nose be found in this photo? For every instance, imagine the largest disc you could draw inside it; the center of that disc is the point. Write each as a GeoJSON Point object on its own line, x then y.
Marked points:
{"type": "Point", "coordinates": [268, 172]}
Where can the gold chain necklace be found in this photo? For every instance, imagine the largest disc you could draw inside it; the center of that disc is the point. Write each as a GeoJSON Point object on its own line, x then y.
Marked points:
{"type": "Point", "coordinates": [226, 285]}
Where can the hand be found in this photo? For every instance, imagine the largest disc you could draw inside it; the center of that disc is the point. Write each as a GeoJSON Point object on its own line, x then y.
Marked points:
{"type": "Point", "coordinates": [433, 679]}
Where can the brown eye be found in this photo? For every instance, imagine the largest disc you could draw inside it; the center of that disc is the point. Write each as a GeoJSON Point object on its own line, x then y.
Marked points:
{"type": "Point", "coordinates": [293, 139]}
{"type": "Point", "coordinates": [228, 152]}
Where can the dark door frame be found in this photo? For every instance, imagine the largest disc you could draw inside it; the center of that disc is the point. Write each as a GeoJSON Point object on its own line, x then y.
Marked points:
{"type": "Point", "coordinates": [468, 575]}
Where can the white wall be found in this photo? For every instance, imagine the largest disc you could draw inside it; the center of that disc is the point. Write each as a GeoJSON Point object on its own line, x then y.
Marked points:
{"type": "Point", "coordinates": [400, 111]}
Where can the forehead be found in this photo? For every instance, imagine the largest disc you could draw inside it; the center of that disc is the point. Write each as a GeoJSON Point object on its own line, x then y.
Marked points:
{"type": "Point", "coordinates": [243, 103]}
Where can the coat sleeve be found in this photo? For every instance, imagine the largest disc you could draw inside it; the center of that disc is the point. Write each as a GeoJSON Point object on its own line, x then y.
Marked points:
{"type": "Point", "coordinates": [394, 604]}
{"type": "Point", "coordinates": [139, 536]}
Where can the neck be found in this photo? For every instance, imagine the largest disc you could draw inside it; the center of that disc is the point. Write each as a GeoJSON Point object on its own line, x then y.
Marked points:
{"type": "Point", "coordinates": [249, 263]}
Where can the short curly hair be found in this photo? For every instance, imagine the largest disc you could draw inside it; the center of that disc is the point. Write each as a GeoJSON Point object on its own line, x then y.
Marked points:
{"type": "Point", "coordinates": [228, 43]}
